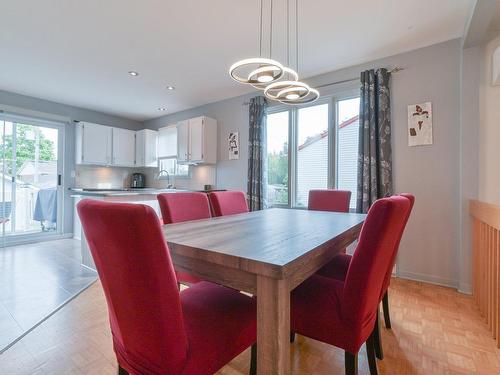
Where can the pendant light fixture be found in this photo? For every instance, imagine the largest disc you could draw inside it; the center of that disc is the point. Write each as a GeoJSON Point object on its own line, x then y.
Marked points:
{"type": "Point", "coordinates": [279, 82]}
{"type": "Point", "coordinates": [288, 73]}
{"type": "Point", "coordinates": [292, 92]}
{"type": "Point", "coordinates": [263, 71]}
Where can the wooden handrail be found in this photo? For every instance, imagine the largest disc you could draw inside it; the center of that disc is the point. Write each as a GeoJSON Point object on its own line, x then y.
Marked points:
{"type": "Point", "coordinates": [485, 212]}
{"type": "Point", "coordinates": [486, 262]}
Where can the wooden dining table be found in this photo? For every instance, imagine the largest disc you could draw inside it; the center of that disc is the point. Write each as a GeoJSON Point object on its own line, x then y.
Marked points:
{"type": "Point", "coordinates": [266, 253]}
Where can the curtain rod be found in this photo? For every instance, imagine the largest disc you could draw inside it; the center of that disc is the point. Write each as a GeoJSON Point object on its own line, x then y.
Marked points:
{"type": "Point", "coordinates": [397, 69]}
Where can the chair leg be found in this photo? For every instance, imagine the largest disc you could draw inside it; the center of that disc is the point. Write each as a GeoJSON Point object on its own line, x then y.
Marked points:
{"type": "Point", "coordinates": [122, 371]}
{"type": "Point", "coordinates": [370, 353]}
{"type": "Point", "coordinates": [385, 304]}
{"type": "Point", "coordinates": [253, 360]}
{"type": "Point", "coordinates": [351, 363]}
{"type": "Point", "coordinates": [292, 336]}
{"type": "Point", "coordinates": [378, 338]}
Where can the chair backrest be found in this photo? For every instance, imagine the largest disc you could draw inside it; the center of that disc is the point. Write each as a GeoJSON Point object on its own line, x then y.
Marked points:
{"type": "Point", "coordinates": [371, 261]}
{"type": "Point", "coordinates": [137, 275]}
{"type": "Point", "coordinates": [387, 280]}
{"type": "Point", "coordinates": [178, 207]}
{"type": "Point", "coordinates": [329, 200]}
{"type": "Point", "coordinates": [228, 203]}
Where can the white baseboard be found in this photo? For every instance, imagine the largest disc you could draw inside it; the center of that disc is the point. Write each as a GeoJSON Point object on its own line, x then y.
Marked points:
{"type": "Point", "coordinates": [415, 276]}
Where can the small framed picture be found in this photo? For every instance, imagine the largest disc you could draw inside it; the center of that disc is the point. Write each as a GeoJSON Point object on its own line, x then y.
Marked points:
{"type": "Point", "coordinates": [234, 145]}
{"type": "Point", "coordinates": [420, 124]}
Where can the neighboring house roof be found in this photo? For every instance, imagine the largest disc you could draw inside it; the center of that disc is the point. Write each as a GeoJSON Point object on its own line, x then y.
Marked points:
{"type": "Point", "coordinates": [44, 168]}
{"type": "Point", "coordinates": [324, 133]}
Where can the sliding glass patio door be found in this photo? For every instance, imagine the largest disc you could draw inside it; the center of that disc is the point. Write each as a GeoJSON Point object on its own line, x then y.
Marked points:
{"type": "Point", "coordinates": [30, 178]}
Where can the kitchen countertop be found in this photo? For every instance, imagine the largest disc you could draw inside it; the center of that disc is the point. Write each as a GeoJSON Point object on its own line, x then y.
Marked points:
{"type": "Point", "coordinates": [127, 192]}
{"type": "Point", "coordinates": [121, 192]}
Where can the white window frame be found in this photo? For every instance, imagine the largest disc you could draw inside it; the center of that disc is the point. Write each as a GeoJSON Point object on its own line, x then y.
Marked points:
{"type": "Point", "coordinates": [332, 100]}
{"type": "Point", "coordinates": [176, 175]}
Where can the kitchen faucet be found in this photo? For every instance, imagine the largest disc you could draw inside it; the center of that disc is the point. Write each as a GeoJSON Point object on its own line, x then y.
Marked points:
{"type": "Point", "coordinates": [162, 175]}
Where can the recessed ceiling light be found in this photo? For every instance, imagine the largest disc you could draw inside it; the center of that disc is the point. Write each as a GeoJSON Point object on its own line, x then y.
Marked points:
{"type": "Point", "coordinates": [133, 73]}
{"type": "Point", "coordinates": [170, 88]}
{"type": "Point", "coordinates": [162, 109]}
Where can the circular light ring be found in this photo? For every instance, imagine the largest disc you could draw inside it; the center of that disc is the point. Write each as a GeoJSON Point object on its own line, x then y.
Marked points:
{"type": "Point", "coordinates": [289, 73]}
{"type": "Point", "coordinates": [279, 90]}
{"type": "Point", "coordinates": [268, 64]}
{"type": "Point", "coordinates": [254, 75]}
{"type": "Point", "coordinates": [275, 90]}
{"type": "Point", "coordinates": [312, 96]}
{"type": "Point", "coordinates": [300, 91]}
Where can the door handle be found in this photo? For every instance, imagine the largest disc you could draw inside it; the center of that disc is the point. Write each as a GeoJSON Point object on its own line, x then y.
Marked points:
{"type": "Point", "coordinates": [59, 180]}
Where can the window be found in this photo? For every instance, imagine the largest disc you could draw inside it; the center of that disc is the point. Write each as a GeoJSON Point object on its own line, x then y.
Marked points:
{"type": "Point", "coordinates": [277, 158]}
{"type": "Point", "coordinates": [347, 146]}
{"type": "Point", "coordinates": [167, 152]}
{"type": "Point", "coordinates": [323, 150]}
{"type": "Point", "coordinates": [312, 151]}
{"type": "Point", "coordinates": [170, 165]}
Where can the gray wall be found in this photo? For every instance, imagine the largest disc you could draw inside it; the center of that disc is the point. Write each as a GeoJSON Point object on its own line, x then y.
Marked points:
{"type": "Point", "coordinates": [231, 115]}
{"type": "Point", "coordinates": [430, 247]}
{"type": "Point", "coordinates": [10, 102]}
{"type": "Point", "coordinates": [468, 168]}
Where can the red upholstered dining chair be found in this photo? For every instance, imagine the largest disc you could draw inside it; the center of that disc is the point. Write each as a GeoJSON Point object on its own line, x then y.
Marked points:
{"type": "Point", "coordinates": [157, 329]}
{"type": "Point", "coordinates": [343, 313]}
{"type": "Point", "coordinates": [228, 203]}
{"type": "Point", "coordinates": [338, 267]}
{"type": "Point", "coordinates": [329, 200]}
{"type": "Point", "coordinates": [179, 207]}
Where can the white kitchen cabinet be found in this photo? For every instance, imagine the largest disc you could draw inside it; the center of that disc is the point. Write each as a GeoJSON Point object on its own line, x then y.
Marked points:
{"type": "Point", "coordinates": [123, 148]}
{"type": "Point", "coordinates": [146, 148]}
{"type": "Point", "coordinates": [93, 144]}
{"type": "Point", "coordinates": [183, 141]}
{"type": "Point", "coordinates": [197, 141]}
{"type": "Point", "coordinates": [77, 225]}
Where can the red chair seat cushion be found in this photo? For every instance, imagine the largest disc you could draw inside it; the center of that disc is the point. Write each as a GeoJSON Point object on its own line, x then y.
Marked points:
{"type": "Point", "coordinates": [323, 295]}
{"type": "Point", "coordinates": [337, 268]}
{"type": "Point", "coordinates": [220, 323]}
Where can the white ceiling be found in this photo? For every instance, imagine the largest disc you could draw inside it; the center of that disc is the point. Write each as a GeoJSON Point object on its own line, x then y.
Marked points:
{"type": "Point", "coordinates": [78, 52]}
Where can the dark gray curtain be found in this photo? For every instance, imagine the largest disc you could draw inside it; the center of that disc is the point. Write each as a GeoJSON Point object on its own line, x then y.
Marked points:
{"type": "Point", "coordinates": [375, 154]}
{"type": "Point", "coordinates": [257, 171]}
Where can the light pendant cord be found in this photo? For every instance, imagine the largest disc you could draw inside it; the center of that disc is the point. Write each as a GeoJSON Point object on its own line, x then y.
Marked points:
{"type": "Point", "coordinates": [297, 34]}
{"type": "Point", "coordinates": [288, 33]}
{"type": "Point", "coordinates": [271, 33]}
{"type": "Point", "coordinates": [260, 36]}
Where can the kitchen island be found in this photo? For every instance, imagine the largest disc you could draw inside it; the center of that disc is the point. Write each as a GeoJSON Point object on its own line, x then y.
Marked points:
{"type": "Point", "coordinates": [145, 196]}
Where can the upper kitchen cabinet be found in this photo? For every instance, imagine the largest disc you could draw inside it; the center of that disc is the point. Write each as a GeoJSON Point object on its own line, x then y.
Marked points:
{"type": "Point", "coordinates": [123, 149]}
{"type": "Point", "coordinates": [146, 148]}
{"type": "Point", "coordinates": [197, 141]}
{"type": "Point", "coordinates": [93, 144]}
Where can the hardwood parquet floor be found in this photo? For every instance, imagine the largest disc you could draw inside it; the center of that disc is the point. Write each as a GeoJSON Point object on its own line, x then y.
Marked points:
{"type": "Point", "coordinates": [436, 330]}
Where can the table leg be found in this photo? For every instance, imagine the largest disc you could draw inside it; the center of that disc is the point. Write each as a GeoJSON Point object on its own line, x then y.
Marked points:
{"type": "Point", "coordinates": [273, 326]}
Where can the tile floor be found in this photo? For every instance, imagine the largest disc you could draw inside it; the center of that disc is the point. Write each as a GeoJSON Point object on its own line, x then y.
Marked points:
{"type": "Point", "coordinates": [35, 279]}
